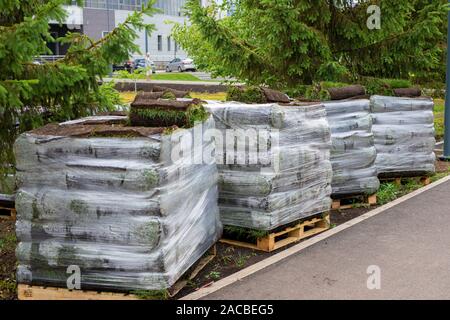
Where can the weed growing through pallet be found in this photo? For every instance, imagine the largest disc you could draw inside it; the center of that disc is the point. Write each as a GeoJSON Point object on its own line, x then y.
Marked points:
{"type": "Point", "coordinates": [389, 191]}
{"type": "Point", "coordinates": [152, 294]}
{"type": "Point", "coordinates": [244, 233]}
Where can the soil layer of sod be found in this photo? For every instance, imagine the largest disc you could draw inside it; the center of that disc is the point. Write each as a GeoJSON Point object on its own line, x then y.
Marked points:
{"type": "Point", "coordinates": [228, 260]}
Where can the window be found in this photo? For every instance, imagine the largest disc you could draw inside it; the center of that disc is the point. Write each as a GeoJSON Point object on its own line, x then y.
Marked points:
{"type": "Point", "coordinates": [169, 44]}
{"type": "Point", "coordinates": [159, 43]}
{"type": "Point", "coordinates": [104, 33]}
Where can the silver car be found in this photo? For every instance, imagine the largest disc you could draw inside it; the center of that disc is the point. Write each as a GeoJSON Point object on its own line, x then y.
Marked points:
{"type": "Point", "coordinates": [181, 65]}
{"type": "Point", "coordinates": [140, 63]}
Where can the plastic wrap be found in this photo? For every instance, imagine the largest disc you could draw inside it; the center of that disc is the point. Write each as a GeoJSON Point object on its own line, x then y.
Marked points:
{"type": "Point", "coordinates": [121, 209]}
{"type": "Point", "coordinates": [353, 153]}
{"type": "Point", "coordinates": [404, 135]}
{"type": "Point", "coordinates": [290, 173]}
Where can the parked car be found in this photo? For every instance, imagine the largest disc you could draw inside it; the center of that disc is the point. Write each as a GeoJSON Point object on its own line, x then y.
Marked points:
{"type": "Point", "coordinates": [127, 65]}
{"type": "Point", "coordinates": [139, 63]}
{"type": "Point", "coordinates": [181, 65]}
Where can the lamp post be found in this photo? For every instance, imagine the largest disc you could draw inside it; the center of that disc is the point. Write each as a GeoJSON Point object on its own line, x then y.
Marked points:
{"type": "Point", "coordinates": [109, 30]}
{"type": "Point", "coordinates": [446, 154]}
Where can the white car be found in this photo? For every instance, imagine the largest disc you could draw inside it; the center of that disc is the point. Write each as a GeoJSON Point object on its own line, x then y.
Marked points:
{"type": "Point", "coordinates": [181, 65]}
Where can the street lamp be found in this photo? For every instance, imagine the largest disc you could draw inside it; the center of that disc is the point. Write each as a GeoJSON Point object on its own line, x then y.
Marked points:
{"type": "Point", "coordinates": [109, 30]}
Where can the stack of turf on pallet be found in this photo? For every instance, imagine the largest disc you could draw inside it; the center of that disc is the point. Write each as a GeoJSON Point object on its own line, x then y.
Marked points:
{"type": "Point", "coordinates": [353, 153]}
{"type": "Point", "coordinates": [118, 201]}
{"type": "Point", "coordinates": [274, 166]}
{"type": "Point", "coordinates": [404, 135]}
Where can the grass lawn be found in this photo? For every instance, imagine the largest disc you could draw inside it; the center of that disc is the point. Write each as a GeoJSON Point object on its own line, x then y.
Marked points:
{"type": "Point", "coordinates": [158, 76]}
{"type": "Point", "coordinates": [174, 77]}
{"type": "Point", "coordinates": [220, 96]}
{"type": "Point", "coordinates": [439, 105]}
{"type": "Point", "coordinates": [128, 96]}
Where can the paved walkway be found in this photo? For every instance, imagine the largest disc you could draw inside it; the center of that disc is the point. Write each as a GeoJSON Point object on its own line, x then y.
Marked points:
{"type": "Point", "coordinates": [410, 243]}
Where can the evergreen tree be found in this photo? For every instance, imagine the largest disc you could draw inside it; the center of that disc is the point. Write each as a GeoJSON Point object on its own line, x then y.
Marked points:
{"type": "Point", "coordinates": [284, 43]}
{"type": "Point", "coordinates": [33, 94]}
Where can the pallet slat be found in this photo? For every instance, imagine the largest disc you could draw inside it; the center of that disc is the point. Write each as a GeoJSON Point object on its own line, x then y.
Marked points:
{"type": "Point", "coordinates": [294, 234]}
{"type": "Point", "coordinates": [12, 213]}
{"type": "Point", "coordinates": [27, 292]}
{"type": "Point", "coordinates": [425, 180]}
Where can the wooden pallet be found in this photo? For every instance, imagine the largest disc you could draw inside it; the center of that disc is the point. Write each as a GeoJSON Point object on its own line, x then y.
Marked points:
{"type": "Point", "coordinates": [177, 287]}
{"type": "Point", "coordinates": [277, 240]}
{"type": "Point", "coordinates": [425, 180]}
{"type": "Point", "coordinates": [338, 204]}
{"type": "Point", "coordinates": [28, 292]}
{"type": "Point", "coordinates": [10, 213]}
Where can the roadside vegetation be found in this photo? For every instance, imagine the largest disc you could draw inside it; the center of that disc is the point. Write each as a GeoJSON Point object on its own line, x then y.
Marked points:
{"type": "Point", "coordinates": [140, 74]}
{"type": "Point", "coordinates": [439, 105]}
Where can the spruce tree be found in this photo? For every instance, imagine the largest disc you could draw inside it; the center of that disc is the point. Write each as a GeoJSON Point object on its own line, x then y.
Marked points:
{"type": "Point", "coordinates": [34, 94]}
{"type": "Point", "coordinates": [284, 43]}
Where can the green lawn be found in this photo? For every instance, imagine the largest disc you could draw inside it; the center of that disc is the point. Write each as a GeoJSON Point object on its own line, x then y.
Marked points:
{"type": "Point", "coordinates": [139, 75]}
{"type": "Point", "coordinates": [439, 118]}
{"type": "Point", "coordinates": [174, 77]}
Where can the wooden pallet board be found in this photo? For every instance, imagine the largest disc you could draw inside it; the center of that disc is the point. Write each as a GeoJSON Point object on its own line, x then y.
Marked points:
{"type": "Point", "coordinates": [425, 180]}
{"type": "Point", "coordinates": [29, 292]}
{"type": "Point", "coordinates": [177, 287]}
{"type": "Point", "coordinates": [11, 213]}
{"type": "Point", "coordinates": [337, 204]}
{"type": "Point", "coordinates": [277, 240]}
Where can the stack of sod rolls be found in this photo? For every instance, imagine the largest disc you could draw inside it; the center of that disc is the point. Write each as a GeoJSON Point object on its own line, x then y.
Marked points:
{"type": "Point", "coordinates": [114, 201]}
{"type": "Point", "coordinates": [353, 153]}
{"type": "Point", "coordinates": [404, 135]}
{"type": "Point", "coordinates": [274, 164]}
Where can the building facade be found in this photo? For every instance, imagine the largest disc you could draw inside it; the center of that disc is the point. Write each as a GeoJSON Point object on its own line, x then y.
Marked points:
{"type": "Point", "coordinates": [98, 17]}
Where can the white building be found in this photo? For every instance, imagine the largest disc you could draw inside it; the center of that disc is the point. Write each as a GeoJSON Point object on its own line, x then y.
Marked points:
{"type": "Point", "coordinates": [98, 17]}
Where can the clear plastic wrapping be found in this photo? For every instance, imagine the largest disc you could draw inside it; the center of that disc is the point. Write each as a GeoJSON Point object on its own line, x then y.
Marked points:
{"type": "Point", "coordinates": [404, 135]}
{"type": "Point", "coordinates": [290, 173]}
{"type": "Point", "coordinates": [122, 209]}
{"type": "Point", "coordinates": [353, 153]}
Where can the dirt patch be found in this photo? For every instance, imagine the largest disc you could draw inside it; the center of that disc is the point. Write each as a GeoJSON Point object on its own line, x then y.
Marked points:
{"type": "Point", "coordinates": [96, 130]}
{"type": "Point", "coordinates": [442, 166]}
{"type": "Point", "coordinates": [8, 262]}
